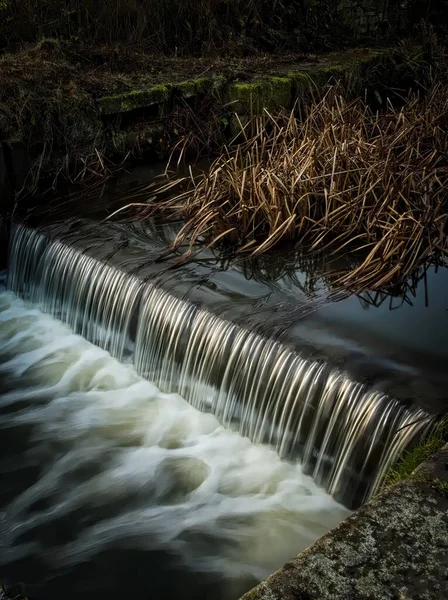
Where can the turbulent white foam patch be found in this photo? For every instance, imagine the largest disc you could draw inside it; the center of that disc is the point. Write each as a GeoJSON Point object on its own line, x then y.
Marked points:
{"type": "Point", "coordinates": [99, 458]}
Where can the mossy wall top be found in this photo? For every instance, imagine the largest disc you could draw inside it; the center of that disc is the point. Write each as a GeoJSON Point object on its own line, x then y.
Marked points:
{"type": "Point", "coordinates": [238, 26]}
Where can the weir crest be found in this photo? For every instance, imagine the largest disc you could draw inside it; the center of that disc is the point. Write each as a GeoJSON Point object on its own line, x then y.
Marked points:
{"type": "Point", "coordinates": [345, 434]}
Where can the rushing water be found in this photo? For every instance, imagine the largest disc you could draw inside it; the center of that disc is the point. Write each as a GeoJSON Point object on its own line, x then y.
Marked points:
{"type": "Point", "coordinates": [345, 434]}
{"type": "Point", "coordinates": [111, 488]}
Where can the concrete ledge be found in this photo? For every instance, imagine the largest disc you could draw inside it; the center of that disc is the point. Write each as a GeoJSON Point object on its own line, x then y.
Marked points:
{"type": "Point", "coordinates": [232, 98]}
{"type": "Point", "coordinates": [270, 92]}
{"type": "Point", "coordinates": [122, 103]}
{"type": "Point", "coordinates": [156, 94]}
{"type": "Point", "coordinates": [395, 547]}
{"type": "Point", "coordinates": [193, 87]}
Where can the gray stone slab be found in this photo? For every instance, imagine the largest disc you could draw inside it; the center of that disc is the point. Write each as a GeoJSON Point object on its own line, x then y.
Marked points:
{"type": "Point", "coordinates": [395, 547]}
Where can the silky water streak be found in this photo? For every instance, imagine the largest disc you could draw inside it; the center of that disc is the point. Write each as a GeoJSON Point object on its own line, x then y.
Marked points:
{"type": "Point", "coordinates": [345, 435]}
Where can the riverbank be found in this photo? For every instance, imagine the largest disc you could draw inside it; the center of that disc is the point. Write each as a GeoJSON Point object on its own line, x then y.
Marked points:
{"type": "Point", "coordinates": [79, 117]}
{"type": "Point", "coordinates": [75, 113]}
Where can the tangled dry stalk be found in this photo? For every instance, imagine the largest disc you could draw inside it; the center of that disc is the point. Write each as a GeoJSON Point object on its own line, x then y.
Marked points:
{"type": "Point", "coordinates": [338, 178]}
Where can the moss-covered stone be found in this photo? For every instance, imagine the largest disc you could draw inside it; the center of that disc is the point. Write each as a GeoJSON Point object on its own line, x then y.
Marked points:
{"type": "Point", "coordinates": [121, 103]}
{"type": "Point", "coordinates": [333, 73]}
{"type": "Point", "coordinates": [352, 65]}
{"type": "Point", "coordinates": [335, 70]}
{"type": "Point", "coordinates": [302, 83]}
{"type": "Point", "coordinates": [272, 93]}
{"type": "Point", "coordinates": [193, 87]}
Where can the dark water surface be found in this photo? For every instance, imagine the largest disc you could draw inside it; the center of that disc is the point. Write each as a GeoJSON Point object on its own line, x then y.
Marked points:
{"type": "Point", "coordinates": [394, 340]}
{"type": "Point", "coordinates": [112, 488]}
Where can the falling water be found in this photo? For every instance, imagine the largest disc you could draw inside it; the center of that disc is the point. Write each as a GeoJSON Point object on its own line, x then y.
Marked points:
{"type": "Point", "coordinates": [344, 434]}
{"type": "Point", "coordinates": [113, 489]}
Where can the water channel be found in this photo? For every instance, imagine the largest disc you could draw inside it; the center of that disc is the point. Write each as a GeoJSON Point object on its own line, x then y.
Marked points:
{"type": "Point", "coordinates": [183, 430]}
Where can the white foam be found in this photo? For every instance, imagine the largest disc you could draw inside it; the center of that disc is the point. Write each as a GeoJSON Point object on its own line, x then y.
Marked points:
{"type": "Point", "coordinates": [144, 469]}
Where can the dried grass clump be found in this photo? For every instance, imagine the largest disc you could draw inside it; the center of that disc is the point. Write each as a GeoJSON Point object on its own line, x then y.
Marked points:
{"type": "Point", "coordinates": [338, 178]}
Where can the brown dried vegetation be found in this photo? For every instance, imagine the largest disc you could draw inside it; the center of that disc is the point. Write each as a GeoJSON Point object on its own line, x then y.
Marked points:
{"type": "Point", "coordinates": [334, 179]}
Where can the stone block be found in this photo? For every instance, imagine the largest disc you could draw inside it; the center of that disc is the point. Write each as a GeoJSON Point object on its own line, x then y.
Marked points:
{"type": "Point", "coordinates": [393, 547]}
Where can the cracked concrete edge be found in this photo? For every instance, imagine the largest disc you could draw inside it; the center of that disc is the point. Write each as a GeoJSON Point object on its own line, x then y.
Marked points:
{"type": "Point", "coordinates": [394, 547]}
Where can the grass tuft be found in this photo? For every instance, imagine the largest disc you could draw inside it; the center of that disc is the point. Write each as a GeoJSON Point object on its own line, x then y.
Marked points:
{"type": "Point", "coordinates": [414, 457]}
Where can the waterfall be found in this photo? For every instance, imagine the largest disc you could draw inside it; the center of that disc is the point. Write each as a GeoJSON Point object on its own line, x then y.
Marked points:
{"type": "Point", "coordinates": [345, 435]}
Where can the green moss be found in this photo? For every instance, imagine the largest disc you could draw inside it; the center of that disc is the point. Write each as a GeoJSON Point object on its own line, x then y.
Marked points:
{"type": "Point", "coordinates": [302, 83]}
{"type": "Point", "coordinates": [333, 73]}
{"type": "Point", "coordinates": [190, 88]}
{"type": "Point", "coordinates": [120, 103]}
{"type": "Point", "coordinates": [273, 93]}
{"type": "Point", "coordinates": [335, 69]}
{"type": "Point", "coordinates": [156, 94]}
{"type": "Point", "coordinates": [350, 65]}
{"type": "Point", "coordinates": [300, 80]}
{"type": "Point", "coordinates": [412, 458]}
{"type": "Point", "coordinates": [203, 85]}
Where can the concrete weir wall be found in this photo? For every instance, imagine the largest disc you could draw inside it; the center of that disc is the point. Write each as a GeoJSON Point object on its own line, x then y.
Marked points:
{"type": "Point", "coordinates": [242, 98]}
{"type": "Point", "coordinates": [394, 547]}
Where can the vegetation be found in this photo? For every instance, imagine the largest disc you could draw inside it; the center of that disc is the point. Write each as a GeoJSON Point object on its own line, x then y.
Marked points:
{"type": "Point", "coordinates": [414, 457]}
{"type": "Point", "coordinates": [4, 594]}
{"type": "Point", "coordinates": [55, 94]}
{"type": "Point", "coordinates": [337, 177]}
{"type": "Point", "coordinates": [365, 174]}
{"type": "Point", "coordinates": [183, 27]}
{"type": "Point", "coordinates": [56, 98]}
{"type": "Point", "coordinates": [43, 105]}
{"type": "Point", "coordinates": [177, 26]}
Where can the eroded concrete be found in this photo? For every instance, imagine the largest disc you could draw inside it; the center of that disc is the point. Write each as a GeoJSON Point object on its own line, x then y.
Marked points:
{"type": "Point", "coordinates": [395, 547]}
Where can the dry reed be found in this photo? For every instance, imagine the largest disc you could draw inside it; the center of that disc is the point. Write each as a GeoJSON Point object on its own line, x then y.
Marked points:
{"type": "Point", "coordinates": [336, 179]}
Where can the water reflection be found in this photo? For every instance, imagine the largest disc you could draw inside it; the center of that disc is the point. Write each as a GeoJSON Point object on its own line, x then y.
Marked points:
{"type": "Point", "coordinates": [405, 293]}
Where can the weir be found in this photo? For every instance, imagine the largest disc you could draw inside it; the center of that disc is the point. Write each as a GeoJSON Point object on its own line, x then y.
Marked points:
{"type": "Point", "coordinates": [345, 434]}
